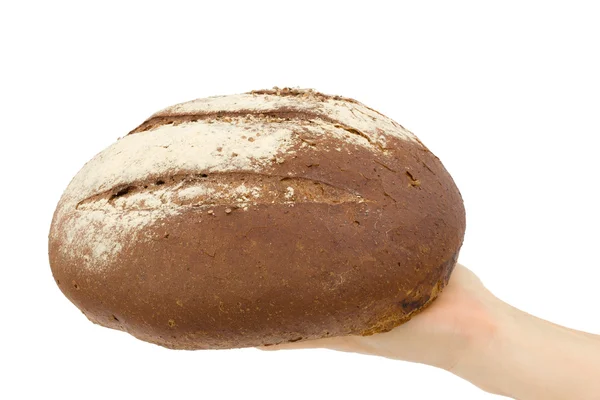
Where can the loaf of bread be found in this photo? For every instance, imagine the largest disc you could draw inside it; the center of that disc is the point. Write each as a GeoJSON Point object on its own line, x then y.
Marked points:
{"type": "Point", "coordinates": [262, 218]}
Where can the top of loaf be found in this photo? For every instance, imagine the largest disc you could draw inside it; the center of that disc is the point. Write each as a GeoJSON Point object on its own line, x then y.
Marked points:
{"type": "Point", "coordinates": [243, 133]}
{"type": "Point", "coordinates": [285, 103]}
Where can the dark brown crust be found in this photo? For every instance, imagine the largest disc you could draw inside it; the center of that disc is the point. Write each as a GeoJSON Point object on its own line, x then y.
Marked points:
{"type": "Point", "coordinates": [280, 273]}
{"type": "Point", "coordinates": [281, 113]}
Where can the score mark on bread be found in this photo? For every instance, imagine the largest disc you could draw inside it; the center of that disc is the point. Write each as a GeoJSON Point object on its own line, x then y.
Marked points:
{"type": "Point", "coordinates": [225, 188]}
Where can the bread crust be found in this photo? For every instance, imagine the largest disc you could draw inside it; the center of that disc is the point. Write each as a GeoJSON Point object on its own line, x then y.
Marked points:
{"type": "Point", "coordinates": [347, 228]}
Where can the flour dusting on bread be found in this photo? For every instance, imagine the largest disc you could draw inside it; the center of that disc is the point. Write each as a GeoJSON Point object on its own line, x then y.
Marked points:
{"type": "Point", "coordinates": [240, 133]}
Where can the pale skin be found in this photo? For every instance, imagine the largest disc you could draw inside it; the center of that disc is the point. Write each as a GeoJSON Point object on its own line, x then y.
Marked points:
{"type": "Point", "coordinates": [478, 337]}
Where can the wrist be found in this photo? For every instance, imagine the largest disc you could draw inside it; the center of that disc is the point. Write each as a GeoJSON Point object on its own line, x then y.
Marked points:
{"type": "Point", "coordinates": [484, 344]}
{"type": "Point", "coordinates": [530, 358]}
{"type": "Point", "coordinates": [487, 360]}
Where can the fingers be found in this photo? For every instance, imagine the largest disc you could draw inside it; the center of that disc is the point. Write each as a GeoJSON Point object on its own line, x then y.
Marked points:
{"type": "Point", "coordinates": [290, 346]}
{"type": "Point", "coordinates": [334, 343]}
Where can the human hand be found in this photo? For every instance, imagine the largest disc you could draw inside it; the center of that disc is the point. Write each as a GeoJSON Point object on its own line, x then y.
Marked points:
{"type": "Point", "coordinates": [473, 334]}
{"type": "Point", "coordinates": [461, 318]}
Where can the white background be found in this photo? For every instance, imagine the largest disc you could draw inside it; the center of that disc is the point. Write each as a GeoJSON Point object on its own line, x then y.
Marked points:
{"type": "Point", "coordinates": [507, 94]}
